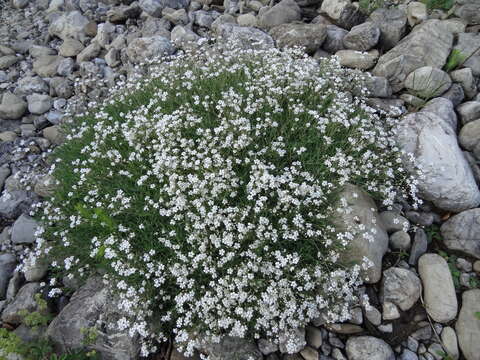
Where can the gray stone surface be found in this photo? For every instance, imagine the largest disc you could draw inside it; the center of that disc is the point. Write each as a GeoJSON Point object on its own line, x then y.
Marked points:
{"type": "Point", "coordinates": [12, 106]}
{"type": "Point", "coordinates": [448, 180]}
{"type": "Point", "coordinates": [360, 247]}
{"type": "Point", "coordinates": [401, 287]}
{"type": "Point", "coordinates": [469, 111]}
{"type": "Point", "coordinates": [450, 343]}
{"type": "Point", "coordinates": [468, 324]}
{"type": "Point", "coordinates": [428, 82]}
{"type": "Point", "coordinates": [86, 306]}
{"type": "Point", "coordinates": [39, 103]}
{"type": "Point", "coordinates": [69, 25]}
{"type": "Point", "coordinates": [24, 300]}
{"type": "Point", "coordinates": [362, 37]}
{"type": "Point", "coordinates": [308, 36]}
{"type": "Point", "coordinates": [468, 45]}
{"type": "Point", "coordinates": [230, 347]}
{"type": "Point", "coordinates": [245, 36]}
{"type": "Point", "coordinates": [286, 11]}
{"type": "Point", "coordinates": [155, 7]}
{"type": "Point", "coordinates": [428, 45]}
{"type": "Point", "coordinates": [368, 347]}
{"type": "Point", "coordinates": [356, 59]}
{"type": "Point", "coordinates": [141, 49]}
{"type": "Point", "coordinates": [7, 265]}
{"type": "Point", "coordinates": [392, 23]}
{"type": "Point", "coordinates": [444, 109]}
{"type": "Point", "coordinates": [23, 230]}
{"type": "Point", "coordinates": [462, 232]}
{"type": "Point", "coordinates": [469, 135]}
{"type": "Point", "coordinates": [438, 289]}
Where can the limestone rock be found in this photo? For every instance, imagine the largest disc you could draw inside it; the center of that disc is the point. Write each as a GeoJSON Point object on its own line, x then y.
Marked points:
{"type": "Point", "coordinates": [368, 347]}
{"type": "Point", "coordinates": [146, 48]}
{"type": "Point", "coordinates": [468, 324]}
{"type": "Point", "coordinates": [400, 286]}
{"type": "Point", "coordinates": [309, 36]}
{"type": "Point", "coordinates": [286, 11]}
{"type": "Point", "coordinates": [362, 37]}
{"type": "Point", "coordinates": [12, 106]}
{"type": "Point", "coordinates": [462, 232]}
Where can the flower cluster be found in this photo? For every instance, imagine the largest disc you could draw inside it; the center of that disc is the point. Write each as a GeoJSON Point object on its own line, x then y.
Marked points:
{"type": "Point", "coordinates": [204, 193]}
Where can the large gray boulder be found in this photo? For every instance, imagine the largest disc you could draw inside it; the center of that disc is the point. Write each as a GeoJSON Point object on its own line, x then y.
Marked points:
{"type": "Point", "coordinates": [23, 230]}
{"type": "Point", "coordinates": [468, 45]}
{"type": "Point", "coordinates": [462, 232]}
{"type": "Point", "coordinates": [468, 324]}
{"type": "Point", "coordinates": [87, 305]}
{"type": "Point", "coordinates": [247, 37]}
{"type": "Point", "coordinates": [309, 36]}
{"type": "Point", "coordinates": [438, 289]}
{"type": "Point", "coordinates": [372, 242]}
{"type": "Point", "coordinates": [368, 347]}
{"type": "Point", "coordinates": [428, 82]}
{"type": "Point", "coordinates": [7, 265]}
{"type": "Point", "coordinates": [468, 10]}
{"type": "Point", "coordinates": [342, 12]}
{"type": "Point", "coordinates": [286, 11]}
{"type": "Point", "coordinates": [392, 23]}
{"type": "Point", "coordinates": [69, 25]}
{"type": "Point", "coordinates": [362, 37]}
{"type": "Point", "coordinates": [429, 44]}
{"type": "Point", "coordinates": [147, 48]}
{"type": "Point", "coordinates": [448, 179]}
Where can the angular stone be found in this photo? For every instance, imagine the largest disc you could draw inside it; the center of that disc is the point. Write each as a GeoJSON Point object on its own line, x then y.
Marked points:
{"type": "Point", "coordinates": [23, 230]}
{"type": "Point", "coordinates": [468, 324]}
{"type": "Point", "coordinates": [13, 203]}
{"type": "Point", "coordinates": [7, 265]}
{"type": "Point", "coordinates": [416, 13]}
{"type": "Point", "coordinates": [7, 61]}
{"type": "Point", "coordinates": [401, 287]}
{"type": "Point", "coordinates": [70, 47]}
{"type": "Point", "coordinates": [392, 23]}
{"type": "Point", "coordinates": [39, 103]}
{"type": "Point", "coordinates": [362, 37]}
{"type": "Point", "coordinates": [54, 134]}
{"type": "Point", "coordinates": [246, 37]}
{"type": "Point", "coordinates": [469, 135]}
{"type": "Point", "coordinates": [438, 289]}
{"type": "Point", "coordinates": [444, 109]}
{"type": "Point", "coordinates": [155, 7]}
{"type": "Point", "coordinates": [142, 49]}
{"type": "Point", "coordinates": [368, 347]}
{"type": "Point", "coordinates": [308, 36]}
{"type": "Point", "coordinates": [462, 232]}
{"type": "Point", "coordinates": [469, 111]}
{"type": "Point", "coordinates": [428, 45]}
{"type": "Point", "coordinates": [87, 305]}
{"type": "Point", "coordinates": [359, 247]}
{"type": "Point", "coordinates": [70, 25]}
{"type": "Point", "coordinates": [448, 180]}
{"type": "Point", "coordinates": [230, 347]}
{"type": "Point", "coordinates": [356, 59]}
{"type": "Point", "coordinates": [468, 44]}
{"type": "Point", "coordinates": [286, 11]}
{"type": "Point", "coordinates": [469, 11]}
{"type": "Point", "coordinates": [47, 65]}
{"type": "Point", "coordinates": [24, 300]}
{"type": "Point", "coordinates": [342, 12]}
{"type": "Point", "coordinates": [334, 40]}
{"type": "Point", "coordinates": [465, 78]}
{"type": "Point", "coordinates": [89, 53]}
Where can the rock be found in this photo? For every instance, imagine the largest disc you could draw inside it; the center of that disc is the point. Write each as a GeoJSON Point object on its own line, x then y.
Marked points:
{"type": "Point", "coordinates": [12, 106]}
{"type": "Point", "coordinates": [47, 65]}
{"type": "Point", "coordinates": [37, 51]}
{"type": "Point", "coordinates": [469, 11]}
{"type": "Point", "coordinates": [364, 208]}
{"type": "Point", "coordinates": [204, 18]}
{"type": "Point", "coordinates": [342, 328]}
{"type": "Point", "coordinates": [89, 53]}
{"type": "Point", "coordinates": [334, 40]}
{"type": "Point", "coordinates": [39, 103]}
{"type": "Point", "coordinates": [401, 287]}
{"type": "Point", "coordinates": [416, 13]}
{"type": "Point", "coordinates": [448, 180]}
{"type": "Point", "coordinates": [230, 347]}
{"type": "Point", "coordinates": [356, 59]}
{"type": "Point", "coordinates": [87, 305]}
{"type": "Point", "coordinates": [70, 47]}
{"type": "Point", "coordinates": [13, 203]}
{"type": "Point", "coordinates": [362, 37]}
{"type": "Point", "coordinates": [408, 355]}
{"type": "Point", "coordinates": [112, 57]}
{"type": "Point", "coordinates": [309, 353]}
{"type": "Point", "coordinates": [427, 82]}
{"type": "Point", "coordinates": [368, 347]}
{"type": "Point", "coordinates": [392, 23]}
{"type": "Point", "coordinates": [23, 230]}
{"type": "Point", "coordinates": [465, 78]}
{"type": "Point", "coordinates": [70, 25]}
{"type": "Point", "coordinates": [342, 12]}
{"type": "Point", "coordinates": [394, 221]}
{"type": "Point", "coordinates": [7, 265]}
{"type": "Point", "coordinates": [182, 37]}
{"type": "Point", "coordinates": [400, 240]}
{"type": "Point", "coordinates": [455, 94]}
{"type": "Point", "coordinates": [468, 324]}
{"type": "Point", "coordinates": [313, 337]}
{"type": "Point", "coordinates": [24, 300]}
{"type": "Point", "coordinates": [246, 36]}
{"type": "Point", "coordinates": [428, 45]}
{"type": "Point", "coordinates": [444, 109]}
{"type": "Point", "coordinates": [266, 347]}
{"type": "Point", "coordinates": [155, 7]}
{"type": "Point", "coordinates": [469, 111]}
{"type": "Point", "coordinates": [468, 45]}
{"type": "Point", "coordinates": [378, 87]}
{"type": "Point", "coordinates": [53, 134]}
{"type": "Point", "coordinates": [31, 84]}
{"type": "Point", "coordinates": [469, 135]}
{"type": "Point", "coordinates": [462, 232]}
{"type": "Point", "coordinates": [286, 11]}
{"type": "Point", "coordinates": [177, 17]}
{"type": "Point", "coordinates": [247, 20]}
{"type": "Point", "coordinates": [36, 271]}
{"type": "Point", "coordinates": [7, 61]}
{"type": "Point", "coordinates": [7, 136]}
{"type": "Point", "coordinates": [145, 48]}
{"type": "Point", "coordinates": [438, 289]}
{"type": "Point", "coordinates": [390, 311]}
{"type": "Point", "coordinates": [20, 4]}
{"type": "Point", "coordinates": [151, 27]}
{"type": "Point", "coordinates": [309, 36]}
{"type": "Point", "coordinates": [449, 341]}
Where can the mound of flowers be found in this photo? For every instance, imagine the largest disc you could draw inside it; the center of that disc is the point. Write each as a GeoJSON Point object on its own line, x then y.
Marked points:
{"type": "Point", "coordinates": [204, 193]}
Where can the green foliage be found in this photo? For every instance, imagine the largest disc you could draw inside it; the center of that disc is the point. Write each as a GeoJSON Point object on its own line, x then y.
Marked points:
{"type": "Point", "coordinates": [477, 315]}
{"type": "Point", "coordinates": [439, 4]}
{"type": "Point", "coordinates": [455, 59]}
{"type": "Point", "coordinates": [433, 233]}
{"type": "Point", "coordinates": [473, 282]}
{"type": "Point", "coordinates": [90, 335]}
{"type": "Point", "coordinates": [369, 6]}
{"type": "Point", "coordinates": [451, 260]}
{"type": "Point", "coordinates": [36, 319]}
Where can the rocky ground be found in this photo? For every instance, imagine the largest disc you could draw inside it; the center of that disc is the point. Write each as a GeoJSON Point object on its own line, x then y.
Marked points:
{"type": "Point", "coordinates": [58, 55]}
